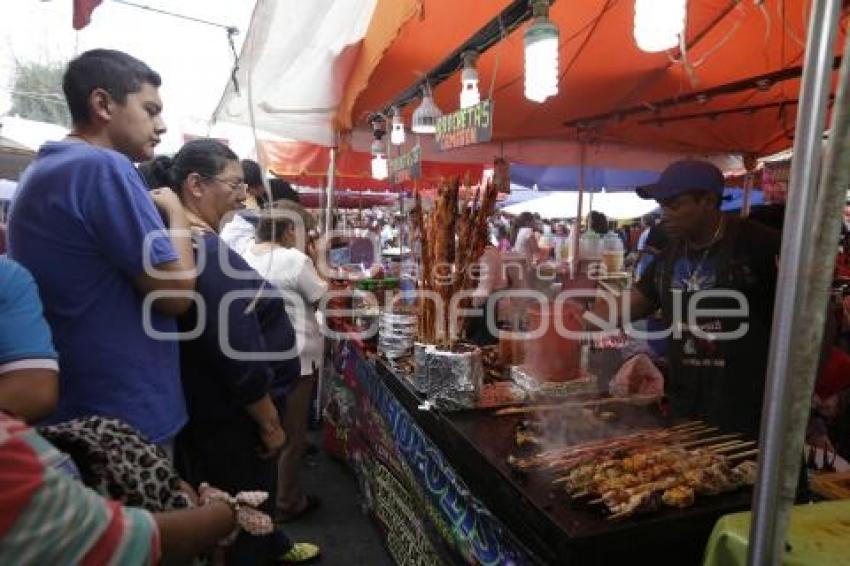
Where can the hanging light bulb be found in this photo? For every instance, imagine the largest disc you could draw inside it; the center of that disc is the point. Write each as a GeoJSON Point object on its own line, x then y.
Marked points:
{"type": "Point", "coordinates": [425, 117]}
{"type": "Point", "coordinates": [397, 133]}
{"type": "Point", "coordinates": [469, 95]}
{"type": "Point", "coordinates": [659, 24]}
{"type": "Point", "coordinates": [541, 41]}
{"type": "Point", "coordinates": [380, 169]}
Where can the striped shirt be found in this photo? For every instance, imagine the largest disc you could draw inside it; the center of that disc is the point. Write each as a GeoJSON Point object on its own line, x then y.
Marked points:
{"type": "Point", "coordinates": [48, 518]}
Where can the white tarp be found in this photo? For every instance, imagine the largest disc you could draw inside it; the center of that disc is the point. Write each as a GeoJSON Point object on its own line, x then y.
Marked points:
{"type": "Point", "coordinates": [298, 55]}
{"type": "Point", "coordinates": [7, 189]}
{"type": "Point", "coordinates": [615, 206]}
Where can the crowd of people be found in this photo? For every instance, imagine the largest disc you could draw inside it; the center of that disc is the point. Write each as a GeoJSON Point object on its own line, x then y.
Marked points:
{"type": "Point", "coordinates": [167, 418]}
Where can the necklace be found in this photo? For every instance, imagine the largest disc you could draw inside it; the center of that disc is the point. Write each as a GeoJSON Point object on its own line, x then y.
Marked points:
{"type": "Point", "coordinates": [692, 282]}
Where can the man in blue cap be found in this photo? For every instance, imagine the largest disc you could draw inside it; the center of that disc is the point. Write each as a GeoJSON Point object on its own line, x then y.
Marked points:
{"type": "Point", "coordinates": [714, 284]}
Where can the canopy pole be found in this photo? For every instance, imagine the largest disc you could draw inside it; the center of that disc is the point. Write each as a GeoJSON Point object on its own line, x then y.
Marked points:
{"type": "Point", "coordinates": [750, 165]}
{"type": "Point", "coordinates": [329, 215]}
{"type": "Point", "coordinates": [792, 361]}
{"type": "Point", "coordinates": [575, 264]}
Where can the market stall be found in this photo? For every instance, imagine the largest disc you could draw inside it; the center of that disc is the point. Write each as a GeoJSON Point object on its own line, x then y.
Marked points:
{"type": "Point", "coordinates": [422, 432]}
{"type": "Point", "coordinates": [440, 486]}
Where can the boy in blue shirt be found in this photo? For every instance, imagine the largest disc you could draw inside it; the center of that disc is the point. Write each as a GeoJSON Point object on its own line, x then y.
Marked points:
{"type": "Point", "coordinates": [111, 277]}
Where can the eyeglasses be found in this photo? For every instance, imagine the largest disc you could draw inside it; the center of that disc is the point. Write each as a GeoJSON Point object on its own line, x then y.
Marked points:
{"type": "Point", "coordinates": [234, 185]}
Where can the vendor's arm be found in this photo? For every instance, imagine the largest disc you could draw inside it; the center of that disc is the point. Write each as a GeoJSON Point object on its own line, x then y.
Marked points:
{"type": "Point", "coordinates": [643, 300]}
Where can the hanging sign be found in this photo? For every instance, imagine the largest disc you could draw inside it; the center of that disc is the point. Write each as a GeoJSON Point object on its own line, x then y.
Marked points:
{"type": "Point", "coordinates": [407, 166]}
{"type": "Point", "coordinates": [467, 126]}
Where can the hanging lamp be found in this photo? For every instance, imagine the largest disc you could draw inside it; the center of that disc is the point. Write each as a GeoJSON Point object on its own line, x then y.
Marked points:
{"type": "Point", "coordinates": [469, 95]}
{"type": "Point", "coordinates": [426, 115]}
{"type": "Point", "coordinates": [380, 167]}
{"type": "Point", "coordinates": [397, 135]}
{"type": "Point", "coordinates": [659, 24]}
{"type": "Point", "coordinates": [541, 40]}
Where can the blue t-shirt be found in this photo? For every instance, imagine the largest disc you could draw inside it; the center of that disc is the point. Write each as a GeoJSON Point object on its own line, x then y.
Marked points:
{"type": "Point", "coordinates": [79, 223]}
{"type": "Point", "coordinates": [24, 335]}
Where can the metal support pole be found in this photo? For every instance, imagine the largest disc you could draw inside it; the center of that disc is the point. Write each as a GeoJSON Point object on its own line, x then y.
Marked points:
{"type": "Point", "coordinates": [750, 164]}
{"type": "Point", "coordinates": [329, 211]}
{"type": "Point", "coordinates": [576, 232]}
{"type": "Point", "coordinates": [781, 453]}
{"type": "Point", "coordinates": [748, 194]}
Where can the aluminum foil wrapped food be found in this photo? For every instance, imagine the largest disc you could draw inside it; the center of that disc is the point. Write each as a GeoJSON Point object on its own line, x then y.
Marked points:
{"type": "Point", "coordinates": [450, 378]}
{"type": "Point", "coordinates": [396, 333]}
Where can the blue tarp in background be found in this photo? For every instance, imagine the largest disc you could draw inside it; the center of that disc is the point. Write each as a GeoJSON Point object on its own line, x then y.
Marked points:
{"type": "Point", "coordinates": [553, 178]}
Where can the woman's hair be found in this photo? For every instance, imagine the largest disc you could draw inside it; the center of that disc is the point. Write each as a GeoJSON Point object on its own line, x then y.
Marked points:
{"type": "Point", "coordinates": [276, 220]}
{"type": "Point", "coordinates": [282, 190]}
{"type": "Point", "coordinates": [156, 172]}
{"type": "Point", "coordinates": [206, 157]}
{"type": "Point", "coordinates": [252, 173]}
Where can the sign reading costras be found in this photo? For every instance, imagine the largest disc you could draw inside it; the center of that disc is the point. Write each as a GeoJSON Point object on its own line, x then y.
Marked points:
{"type": "Point", "coordinates": [467, 126]}
{"type": "Point", "coordinates": [407, 166]}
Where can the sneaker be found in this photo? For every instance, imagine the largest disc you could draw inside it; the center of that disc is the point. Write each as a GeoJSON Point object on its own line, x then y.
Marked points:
{"type": "Point", "coordinates": [300, 553]}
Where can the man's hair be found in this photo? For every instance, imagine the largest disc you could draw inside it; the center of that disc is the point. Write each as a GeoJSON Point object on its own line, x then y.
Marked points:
{"type": "Point", "coordinates": [114, 71]}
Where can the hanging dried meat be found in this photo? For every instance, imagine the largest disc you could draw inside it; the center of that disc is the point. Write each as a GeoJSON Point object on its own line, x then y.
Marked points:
{"type": "Point", "coordinates": [450, 241]}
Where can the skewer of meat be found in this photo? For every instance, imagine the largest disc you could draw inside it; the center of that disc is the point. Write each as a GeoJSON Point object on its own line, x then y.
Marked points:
{"type": "Point", "coordinates": [715, 479]}
{"type": "Point", "coordinates": [641, 469]}
{"type": "Point", "coordinates": [557, 458]}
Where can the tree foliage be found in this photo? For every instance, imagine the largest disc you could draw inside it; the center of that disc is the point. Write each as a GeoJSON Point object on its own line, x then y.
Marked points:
{"type": "Point", "coordinates": [37, 93]}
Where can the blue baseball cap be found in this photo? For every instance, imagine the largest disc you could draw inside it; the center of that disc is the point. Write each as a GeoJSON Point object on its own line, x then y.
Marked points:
{"type": "Point", "coordinates": [685, 176]}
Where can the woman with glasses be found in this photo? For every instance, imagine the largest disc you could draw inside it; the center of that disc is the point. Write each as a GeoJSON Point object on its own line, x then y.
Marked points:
{"type": "Point", "coordinates": [234, 377]}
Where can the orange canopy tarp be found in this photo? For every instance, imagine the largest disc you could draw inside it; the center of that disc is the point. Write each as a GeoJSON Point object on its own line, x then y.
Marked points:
{"type": "Point", "coordinates": [307, 164]}
{"type": "Point", "coordinates": [602, 71]}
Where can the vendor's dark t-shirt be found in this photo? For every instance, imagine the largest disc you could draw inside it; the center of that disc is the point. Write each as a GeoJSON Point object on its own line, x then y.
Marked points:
{"type": "Point", "coordinates": [715, 377]}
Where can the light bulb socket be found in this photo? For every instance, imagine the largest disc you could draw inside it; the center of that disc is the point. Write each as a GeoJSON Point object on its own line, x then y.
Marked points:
{"type": "Point", "coordinates": [379, 125]}
{"type": "Point", "coordinates": [378, 147]}
{"type": "Point", "coordinates": [539, 8]}
{"type": "Point", "coordinates": [469, 72]}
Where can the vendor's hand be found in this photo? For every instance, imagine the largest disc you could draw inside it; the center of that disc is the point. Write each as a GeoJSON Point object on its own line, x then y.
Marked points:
{"type": "Point", "coordinates": [638, 376]}
{"type": "Point", "coordinates": [817, 434]}
{"type": "Point", "coordinates": [273, 438]}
